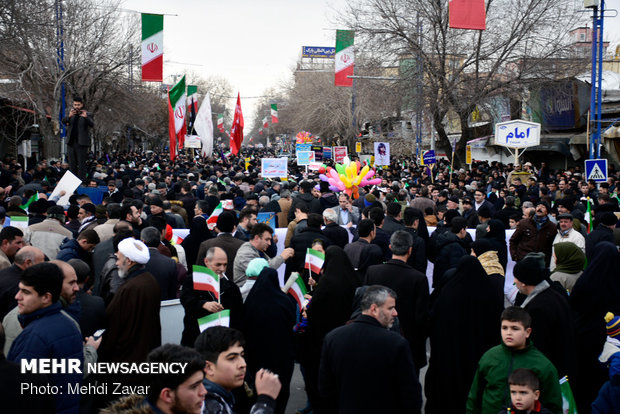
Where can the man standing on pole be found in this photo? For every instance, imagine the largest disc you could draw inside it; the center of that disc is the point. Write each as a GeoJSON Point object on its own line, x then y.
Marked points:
{"type": "Point", "coordinates": [78, 138]}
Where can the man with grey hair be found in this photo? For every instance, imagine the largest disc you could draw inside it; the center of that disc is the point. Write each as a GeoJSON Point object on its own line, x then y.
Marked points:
{"type": "Point", "coordinates": [350, 367]}
{"type": "Point", "coordinates": [412, 288]}
{"type": "Point", "coordinates": [338, 235]}
{"type": "Point", "coordinates": [163, 269]}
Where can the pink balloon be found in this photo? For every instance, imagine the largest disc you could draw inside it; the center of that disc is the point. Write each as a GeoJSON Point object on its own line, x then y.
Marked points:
{"type": "Point", "coordinates": [369, 175]}
{"type": "Point", "coordinates": [376, 181]}
{"type": "Point", "coordinates": [359, 166]}
{"type": "Point", "coordinates": [334, 174]}
{"type": "Point", "coordinates": [363, 183]}
{"type": "Point", "coordinates": [340, 186]}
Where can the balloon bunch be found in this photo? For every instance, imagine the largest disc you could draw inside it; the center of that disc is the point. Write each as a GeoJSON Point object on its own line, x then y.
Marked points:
{"type": "Point", "coordinates": [303, 137]}
{"type": "Point", "coordinates": [348, 178]}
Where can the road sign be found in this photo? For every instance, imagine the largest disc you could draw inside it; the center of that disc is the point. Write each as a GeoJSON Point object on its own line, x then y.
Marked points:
{"type": "Point", "coordinates": [517, 134]}
{"type": "Point", "coordinates": [596, 170]}
{"type": "Point", "coordinates": [358, 147]}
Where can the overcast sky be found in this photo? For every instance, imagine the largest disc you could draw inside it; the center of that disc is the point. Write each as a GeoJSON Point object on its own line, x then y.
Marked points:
{"type": "Point", "coordinates": [254, 43]}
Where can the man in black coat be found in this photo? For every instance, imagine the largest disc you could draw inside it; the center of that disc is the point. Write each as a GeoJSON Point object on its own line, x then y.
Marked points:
{"type": "Point", "coordinates": [163, 268]}
{"type": "Point", "coordinates": [382, 238]}
{"type": "Point", "coordinates": [306, 197]}
{"type": "Point", "coordinates": [78, 138]}
{"type": "Point", "coordinates": [451, 246]}
{"type": "Point", "coordinates": [392, 221]}
{"type": "Point", "coordinates": [303, 241]}
{"type": "Point", "coordinates": [603, 232]}
{"type": "Point", "coordinates": [334, 232]}
{"type": "Point", "coordinates": [411, 287]}
{"type": "Point", "coordinates": [553, 330]}
{"type": "Point", "coordinates": [225, 226]}
{"type": "Point", "coordinates": [364, 367]}
{"type": "Point", "coordinates": [92, 317]}
{"type": "Point", "coordinates": [418, 259]}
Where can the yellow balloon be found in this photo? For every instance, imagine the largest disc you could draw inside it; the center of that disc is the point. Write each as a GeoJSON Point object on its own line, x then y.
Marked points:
{"type": "Point", "coordinates": [345, 180]}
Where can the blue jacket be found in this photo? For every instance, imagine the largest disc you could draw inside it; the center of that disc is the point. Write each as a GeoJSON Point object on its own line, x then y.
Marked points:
{"type": "Point", "coordinates": [71, 250]}
{"type": "Point", "coordinates": [48, 333]}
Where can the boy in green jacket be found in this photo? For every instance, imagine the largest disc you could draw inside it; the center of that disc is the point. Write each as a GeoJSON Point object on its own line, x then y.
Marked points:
{"type": "Point", "coordinates": [489, 392]}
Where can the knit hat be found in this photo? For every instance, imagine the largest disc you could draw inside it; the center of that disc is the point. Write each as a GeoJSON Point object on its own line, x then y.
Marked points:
{"type": "Point", "coordinates": [609, 219]}
{"type": "Point", "coordinates": [369, 199]}
{"type": "Point", "coordinates": [134, 250]}
{"type": "Point", "coordinates": [531, 270]}
{"type": "Point", "coordinates": [613, 325]}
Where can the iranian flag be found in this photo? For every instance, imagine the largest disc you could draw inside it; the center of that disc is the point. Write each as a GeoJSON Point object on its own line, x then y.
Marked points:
{"type": "Point", "coordinates": [344, 57]}
{"type": "Point", "coordinates": [568, 401]}
{"type": "Point", "coordinates": [467, 14]}
{"type": "Point", "coordinates": [215, 319]}
{"type": "Point", "coordinates": [588, 216]}
{"type": "Point", "coordinates": [204, 126]}
{"type": "Point", "coordinates": [212, 220]}
{"type": "Point", "coordinates": [152, 47]}
{"type": "Point", "coordinates": [32, 199]}
{"type": "Point", "coordinates": [206, 279]}
{"type": "Point", "coordinates": [265, 123]}
{"type": "Point", "coordinates": [274, 113]}
{"type": "Point", "coordinates": [192, 106]}
{"type": "Point", "coordinates": [220, 122]}
{"type": "Point", "coordinates": [314, 260]}
{"type": "Point", "coordinates": [176, 125]}
{"type": "Point", "coordinates": [298, 290]}
{"type": "Point", "coordinates": [236, 131]}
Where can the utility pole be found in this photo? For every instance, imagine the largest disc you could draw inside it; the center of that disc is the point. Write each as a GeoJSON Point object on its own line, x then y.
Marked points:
{"type": "Point", "coordinates": [596, 78]}
{"type": "Point", "coordinates": [60, 60]}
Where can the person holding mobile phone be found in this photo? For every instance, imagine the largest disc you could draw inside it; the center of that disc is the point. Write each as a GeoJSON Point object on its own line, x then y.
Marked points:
{"type": "Point", "coordinates": [78, 124]}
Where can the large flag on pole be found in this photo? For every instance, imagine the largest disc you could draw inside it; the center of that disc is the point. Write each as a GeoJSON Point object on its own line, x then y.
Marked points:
{"type": "Point", "coordinates": [274, 113]}
{"type": "Point", "coordinates": [176, 98]}
{"type": "Point", "coordinates": [265, 122]}
{"type": "Point", "coordinates": [345, 57]}
{"type": "Point", "coordinates": [204, 126]}
{"type": "Point", "coordinates": [467, 14]}
{"type": "Point", "coordinates": [215, 319]}
{"type": "Point", "coordinates": [152, 47]}
{"type": "Point", "coordinates": [236, 131]}
{"type": "Point", "coordinates": [207, 280]}
{"type": "Point", "coordinates": [172, 132]}
{"type": "Point", "coordinates": [192, 106]}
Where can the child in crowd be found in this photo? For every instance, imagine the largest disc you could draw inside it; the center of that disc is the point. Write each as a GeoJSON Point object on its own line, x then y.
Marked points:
{"type": "Point", "coordinates": [608, 399]}
{"type": "Point", "coordinates": [524, 393]}
{"type": "Point", "coordinates": [489, 391]}
{"type": "Point", "coordinates": [222, 348]}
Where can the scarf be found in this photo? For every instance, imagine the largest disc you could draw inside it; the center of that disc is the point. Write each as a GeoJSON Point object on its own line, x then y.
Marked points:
{"type": "Point", "coordinates": [569, 258]}
{"type": "Point", "coordinates": [540, 221]}
{"type": "Point", "coordinates": [490, 263]}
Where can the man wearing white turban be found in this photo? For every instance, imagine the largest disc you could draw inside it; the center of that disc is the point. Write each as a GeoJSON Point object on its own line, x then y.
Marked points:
{"type": "Point", "coordinates": [132, 317]}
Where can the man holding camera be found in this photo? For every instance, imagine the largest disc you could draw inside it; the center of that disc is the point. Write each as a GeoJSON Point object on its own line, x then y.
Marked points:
{"type": "Point", "coordinates": [78, 139]}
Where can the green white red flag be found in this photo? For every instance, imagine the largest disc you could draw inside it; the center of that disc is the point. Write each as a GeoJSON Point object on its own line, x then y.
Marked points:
{"type": "Point", "coordinates": [215, 319]}
{"type": "Point", "coordinates": [192, 106]}
{"type": "Point", "coordinates": [207, 280]}
{"type": "Point", "coordinates": [152, 47]}
{"type": "Point", "coordinates": [588, 216]}
{"type": "Point", "coordinates": [176, 116]}
{"type": "Point", "coordinates": [212, 220]}
{"type": "Point", "coordinates": [236, 131]}
{"type": "Point", "coordinates": [274, 113]}
{"type": "Point", "coordinates": [345, 58]}
{"type": "Point", "coordinates": [314, 260]}
{"type": "Point", "coordinates": [265, 123]}
{"type": "Point", "coordinates": [568, 401]}
{"type": "Point", "coordinates": [220, 122]}
{"type": "Point", "coordinates": [298, 290]}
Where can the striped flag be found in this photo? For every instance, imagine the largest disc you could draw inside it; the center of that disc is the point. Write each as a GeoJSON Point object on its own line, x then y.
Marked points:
{"type": "Point", "coordinates": [298, 290]}
{"type": "Point", "coordinates": [152, 47]}
{"type": "Point", "coordinates": [568, 401]}
{"type": "Point", "coordinates": [345, 57]}
{"type": "Point", "coordinates": [220, 122]}
{"type": "Point", "coordinates": [314, 260]}
{"type": "Point", "coordinates": [588, 216]}
{"type": "Point", "coordinates": [215, 319]}
{"type": "Point", "coordinates": [212, 220]}
{"type": "Point", "coordinates": [31, 200]}
{"type": "Point", "coordinates": [176, 115]}
{"type": "Point", "coordinates": [274, 113]}
{"type": "Point", "coordinates": [206, 279]}
{"type": "Point", "coordinates": [265, 123]}
{"type": "Point", "coordinates": [21, 222]}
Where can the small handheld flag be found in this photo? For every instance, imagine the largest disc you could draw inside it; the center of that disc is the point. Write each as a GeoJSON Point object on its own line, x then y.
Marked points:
{"type": "Point", "coordinates": [314, 260]}
{"type": "Point", "coordinates": [207, 280]}
{"type": "Point", "coordinates": [215, 319]}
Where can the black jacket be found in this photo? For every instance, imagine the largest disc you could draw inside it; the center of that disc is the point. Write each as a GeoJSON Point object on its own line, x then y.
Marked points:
{"type": "Point", "coordinates": [92, 317]}
{"type": "Point", "coordinates": [411, 286]}
{"type": "Point", "coordinates": [83, 123]}
{"type": "Point", "coordinates": [164, 270]}
{"type": "Point", "coordinates": [600, 234]}
{"type": "Point", "coordinates": [367, 369]}
{"type": "Point", "coordinates": [382, 239]}
{"type": "Point", "coordinates": [9, 281]}
{"type": "Point", "coordinates": [390, 225]}
{"type": "Point", "coordinates": [300, 243]}
{"type": "Point", "coordinates": [313, 203]}
{"type": "Point", "coordinates": [418, 259]}
{"type": "Point", "coordinates": [336, 234]}
{"type": "Point", "coordinates": [450, 248]}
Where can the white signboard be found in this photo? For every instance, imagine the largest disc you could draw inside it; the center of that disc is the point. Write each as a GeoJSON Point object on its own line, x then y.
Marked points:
{"type": "Point", "coordinates": [68, 183]}
{"type": "Point", "coordinates": [192, 141]}
{"type": "Point", "coordinates": [517, 134]}
{"type": "Point", "coordinates": [274, 167]}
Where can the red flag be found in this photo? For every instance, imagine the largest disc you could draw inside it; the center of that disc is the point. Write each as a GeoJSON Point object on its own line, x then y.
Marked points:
{"type": "Point", "coordinates": [467, 14]}
{"type": "Point", "coordinates": [236, 131]}
{"type": "Point", "coordinates": [172, 132]}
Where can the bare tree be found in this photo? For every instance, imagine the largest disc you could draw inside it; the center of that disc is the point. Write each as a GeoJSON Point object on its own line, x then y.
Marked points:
{"type": "Point", "coordinates": [464, 68]}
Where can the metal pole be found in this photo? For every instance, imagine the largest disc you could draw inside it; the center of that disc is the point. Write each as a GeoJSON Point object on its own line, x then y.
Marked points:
{"type": "Point", "coordinates": [60, 59]}
{"type": "Point", "coordinates": [599, 86]}
{"type": "Point", "coordinates": [593, 81]}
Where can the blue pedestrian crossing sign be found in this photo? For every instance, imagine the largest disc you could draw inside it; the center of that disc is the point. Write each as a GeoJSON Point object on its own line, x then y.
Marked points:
{"type": "Point", "coordinates": [596, 170]}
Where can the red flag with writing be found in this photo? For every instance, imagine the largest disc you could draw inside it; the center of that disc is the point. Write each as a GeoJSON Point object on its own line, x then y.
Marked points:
{"type": "Point", "coordinates": [236, 131]}
{"type": "Point", "coordinates": [172, 131]}
{"type": "Point", "coordinates": [467, 14]}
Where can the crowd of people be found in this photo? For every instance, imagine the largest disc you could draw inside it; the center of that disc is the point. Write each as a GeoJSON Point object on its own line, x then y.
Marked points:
{"type": "Point", "coordinates": [421, 258]}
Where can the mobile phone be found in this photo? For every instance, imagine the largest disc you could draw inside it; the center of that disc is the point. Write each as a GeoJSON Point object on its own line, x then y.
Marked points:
{"type": "Point", "coordinates": [98, 334]}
